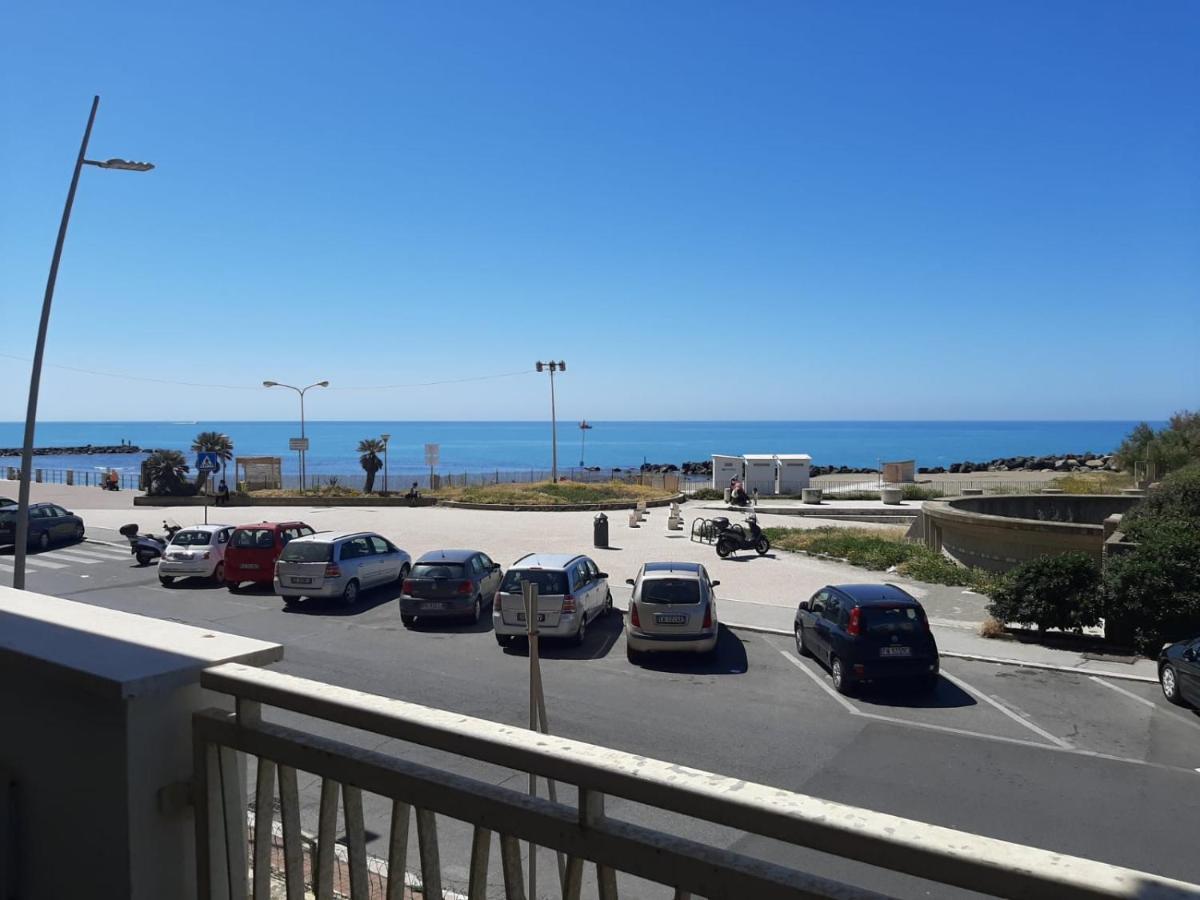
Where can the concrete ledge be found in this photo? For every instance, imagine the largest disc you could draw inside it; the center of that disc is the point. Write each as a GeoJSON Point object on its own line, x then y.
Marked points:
{"type": "Point", "coordinates": [244, 501]}
{"type": "Point", "coordinates": [566, 507]}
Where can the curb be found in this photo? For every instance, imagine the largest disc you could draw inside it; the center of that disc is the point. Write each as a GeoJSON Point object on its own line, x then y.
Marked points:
{"type": "Point", "coordinates": [977, 657]}
{"type": "Point", "coordinates": [601, 506]}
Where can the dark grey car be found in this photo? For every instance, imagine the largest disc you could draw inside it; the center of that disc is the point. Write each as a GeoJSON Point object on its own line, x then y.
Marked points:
{"type": "Point", "coordinates": [49, 524]}
{"type": "Point", "coordinates": [449, 584]}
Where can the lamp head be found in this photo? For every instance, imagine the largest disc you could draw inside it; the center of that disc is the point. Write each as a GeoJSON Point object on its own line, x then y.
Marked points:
{"type": "Point", "coordinates": [270, 383]}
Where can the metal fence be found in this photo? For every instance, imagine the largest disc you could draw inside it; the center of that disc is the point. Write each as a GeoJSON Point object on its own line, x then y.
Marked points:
{"type": "Point", "coordinates": [83, 477]}
{"type": "Point", "coordinates": [591, 845]}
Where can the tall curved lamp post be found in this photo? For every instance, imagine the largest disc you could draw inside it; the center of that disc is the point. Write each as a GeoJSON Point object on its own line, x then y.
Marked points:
{"type": "Point", "coordinates": [35, 377]}
{"type": "Point", "coordinates": [301, 392]}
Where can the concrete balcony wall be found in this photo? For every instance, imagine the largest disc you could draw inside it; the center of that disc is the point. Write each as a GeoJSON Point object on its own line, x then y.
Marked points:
{"type": "Point", "coordinates": [95, 742]}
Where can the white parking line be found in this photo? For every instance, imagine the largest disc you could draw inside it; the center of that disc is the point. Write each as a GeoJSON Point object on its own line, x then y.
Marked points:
{"type": "Point", "coordinates": [820, 682]}
{"type": "Point", "coordinates": [78, 556]}
{"type": "Point", "coordinates": [1169, 713]}
{"type": "Point", "coordinates": [1017, 715]}
{"type": "Point", "coordinates": [34, 563]}
{"type": "Point", "coordinates": [1129, 694]}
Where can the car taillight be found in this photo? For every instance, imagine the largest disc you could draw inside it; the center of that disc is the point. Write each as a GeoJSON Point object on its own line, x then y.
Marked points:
{"type": "Point", "coordinates": [407, 587]}
{"type": "Point", "coordinates": [854, 628]}
{"type": "Point", "coordinates": [568, 604]}
{"type": "Point", "coordinates": [707, 616]}
{"type": "Point", "coordinates": [464, 587]}
{"type": "Point", "coordinates": [332, 571]}
{"type": "Point", "coordinates": [633, 616]}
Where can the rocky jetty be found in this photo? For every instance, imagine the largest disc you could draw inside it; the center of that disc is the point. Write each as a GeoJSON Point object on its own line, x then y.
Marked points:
{"type": "Point", "coordinates": [1071, 462]}
{"type": "Point", "coordinates": [88, 450]}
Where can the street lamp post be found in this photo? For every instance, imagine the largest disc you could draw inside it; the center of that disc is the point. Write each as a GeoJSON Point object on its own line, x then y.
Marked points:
{"type": "Point", "coordinates": [301, 392]}
{"type": "Point", "coordinates": [35, 377]}
{"type": "Point", "coordinates": [553, 367]}
{"type": "Point", "coordinates": [386, 438]}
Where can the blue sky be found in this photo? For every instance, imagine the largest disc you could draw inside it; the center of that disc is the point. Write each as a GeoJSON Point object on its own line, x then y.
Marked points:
{"type": "Point", "coordinates": [798, 211]}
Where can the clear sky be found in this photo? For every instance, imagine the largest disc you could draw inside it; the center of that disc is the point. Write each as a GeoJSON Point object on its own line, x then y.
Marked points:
{"type": "Point", "coordinates": [866, 210]}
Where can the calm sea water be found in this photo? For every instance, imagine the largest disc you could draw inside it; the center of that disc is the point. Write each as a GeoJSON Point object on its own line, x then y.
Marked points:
{"type": "Point", "coordinates": [486, 446]}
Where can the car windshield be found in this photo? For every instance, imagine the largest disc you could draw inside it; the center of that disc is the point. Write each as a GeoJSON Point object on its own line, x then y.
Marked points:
{"type": "Point", "coordinates": [306, 551]}
{"type": "Point", "coordinates": [547, 582]}
{"type": "Point", "coordinates": [891, 620]}
{"type": "Point", "coordinates": [437, 570]}
{"type": "Point", "coordinates": [670, 590]}
{"type": "Point", "coordinates": [249, 538]}
{"type": "Point", "coordinates": [192, 539]}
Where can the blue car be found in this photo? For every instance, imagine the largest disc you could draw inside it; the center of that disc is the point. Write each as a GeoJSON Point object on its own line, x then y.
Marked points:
{"type": "Point", "coordinates": [867, 632]}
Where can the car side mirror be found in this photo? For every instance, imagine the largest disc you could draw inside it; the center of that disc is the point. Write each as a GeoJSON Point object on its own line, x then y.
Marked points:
{"type": "Point", "coordinates": [601, 575]}
{"type": "Point", "coordinates": [715, 583]}
{"type": "Point", "coordinates": [804, 604]}
{"type": "Point", "coordinates": [630, 581]}
{"type": "Point", "coordinates": [495, 567]}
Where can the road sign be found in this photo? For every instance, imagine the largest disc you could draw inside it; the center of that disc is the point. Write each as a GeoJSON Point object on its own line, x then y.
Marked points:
{"type": "Point", "coordinates": [298, 444]}
{"type": "Point", "coordinates": [208, 461]}
{"type": "Point", "coordinates": [432, 454]}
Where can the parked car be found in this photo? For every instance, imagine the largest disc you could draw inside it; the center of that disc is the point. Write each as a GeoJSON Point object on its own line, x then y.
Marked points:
{"type": "Point", "coordinates": [253, 550]}
{"type": "Point", "coordinates": [196, 550]}
{"type": "Point", "coordinates": [49, 524]}
{"type": "Point", "coordinates": [673, 609]}
{"type": "Point", "coordinates": [449, 583]}
{"type": "Point", "coordinates": [572, 592]}
{"type": "Point", "coordinates": [1179, 672]}
{"type": "Point", "coordinates": [338, 564]}
{"type": "Point", "coordinates": [6, 501]}
{"type": "Point", "coordinates": [867, 632]}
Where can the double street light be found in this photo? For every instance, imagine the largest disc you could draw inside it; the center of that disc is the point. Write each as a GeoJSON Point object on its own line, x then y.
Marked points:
{"type": "Point", "coordinates": [553, 367]}
{"type": "Point", "coordinates": [303, 439]}
{"type": "Point", "coordinates": [35, 377]}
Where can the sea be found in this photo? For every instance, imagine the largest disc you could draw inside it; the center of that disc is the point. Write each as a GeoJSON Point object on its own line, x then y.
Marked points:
{"type": "Point", "coordinates": [478, 447]}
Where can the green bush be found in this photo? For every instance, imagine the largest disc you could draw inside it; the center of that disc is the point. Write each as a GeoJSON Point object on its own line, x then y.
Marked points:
{"type": "Point", "coordinates": [1051, 592]}
{"type": "Point", "coordinates": [1177, 497]}
{"type": "Point", "coordinates": [707, 494]}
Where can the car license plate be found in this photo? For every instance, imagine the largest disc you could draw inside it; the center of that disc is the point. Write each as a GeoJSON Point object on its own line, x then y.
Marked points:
{"type": "Point", "coordinates": [675, 619]}
{"type": "Point", "coordinates": [433, 606]}
{"type": "Point", "coordinates": [521, 617]}
{"type": "Point", "coordinates": [296, 580]}
{"type": "Point", "coordinates": [895, 651]}
{"type": "Point", "coordinates": [249, 565]}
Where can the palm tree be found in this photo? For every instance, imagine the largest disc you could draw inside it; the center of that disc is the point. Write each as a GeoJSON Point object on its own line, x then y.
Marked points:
{"type": "Point", "coordinates": [166, 472]}
{"type": "Point", "coordinates": [212, 442]}
{"type": "Point", "coordinates": [370, 448]}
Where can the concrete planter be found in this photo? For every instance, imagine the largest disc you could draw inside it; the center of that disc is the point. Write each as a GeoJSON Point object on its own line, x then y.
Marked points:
{"type": "Point", "coordinates": [972, 492]}
{"type": "Point", "coordinates": [810, 495]}
{"type": "Point", "coordinates": [891, 495]}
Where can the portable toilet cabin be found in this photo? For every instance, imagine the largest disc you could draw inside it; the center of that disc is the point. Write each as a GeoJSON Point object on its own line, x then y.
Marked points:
{"type": "Point", "coordinates": [762, 473]}
{"type": "Point", "coordinates": [793, 472]}
{"type": "Point", "coordinates": [723, 469]}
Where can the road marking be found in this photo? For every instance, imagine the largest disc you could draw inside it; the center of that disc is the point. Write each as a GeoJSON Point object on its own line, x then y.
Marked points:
{"type": "Point", "coordinates": [1017, 715]}
{"type": "Point", "coordinates": [76, 556]}
{"type": "Point", "coordinates": [38, 562]}
{"type": "Point", "coordinates": [850, 707]}
{"type": "Point", "coordinates": [1129, 694]}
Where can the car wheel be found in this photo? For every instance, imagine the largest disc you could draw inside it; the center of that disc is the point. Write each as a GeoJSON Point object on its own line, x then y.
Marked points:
{"type": "Point", "coordinates": [218, 574]}
{"type": "Point", "coordinates": [78, 533]}
{"type": "Point", "coordinates": [800, 647]}
{"type": "Point", "coordinates": [143, 559]}
{"type": "Point", "coordinates": [403, 574]}
{"type": "Point", "coordinates": [289, 601]}
{"type": "Point", "coordinates": [841, 681]}
{"type": "Point", "coordinates": [43, 541]}
{"type": "Point", "coordinates": [929, 683]}
{"type": "Point", "coordinates": [724, 548]}
{"type": "Point", "coordinates": [350, 593]}
{"type": "Point", "coordinates": [407, 620]}
{"type": "Point", "coordinates": [504, 640]}
{"type": "Point", "coordinates": [477, 611]}
{"type": "Point", "coordinates": [763, 547]}
{"type": "Point", "coordinates": [1169, 680]}
{"type": "Point", "coordinates": [608, 607]}
{"type": "Point", "coordinates": [166, 580]}
{"type": "Point", "coordinates": [633, 655]}
{"type": "Point", "coordinates": [235, 587]}
{"type": "Point", "coordinates": [581, 631]}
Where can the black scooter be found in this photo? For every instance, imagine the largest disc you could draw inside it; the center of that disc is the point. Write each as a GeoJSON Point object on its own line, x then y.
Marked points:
{"type": "Point", "coordinates": [148, 547]}
{"type": "Point", "coordinates": [731, 538]}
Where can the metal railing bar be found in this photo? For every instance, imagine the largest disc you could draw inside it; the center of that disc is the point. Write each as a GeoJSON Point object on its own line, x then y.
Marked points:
{"type": "Point", "coordinates": [233, 816]}
{"type": "Point", "coordinates": [293, 846]}
{"type": "Point", "coordinates": [326, 832]}
{"type": "Point", "coordinates": [510, 864]}
{"type": "Point", "coordinates": [427, 847]}
{"type": "Point", "coordinates": [398, 848]}
{"type": "Point", "coordinates": [356, 842]}
{"type": "Point", "coordinates": [481, 845]}
{"type": "Point", "coordinates": [264, 791]}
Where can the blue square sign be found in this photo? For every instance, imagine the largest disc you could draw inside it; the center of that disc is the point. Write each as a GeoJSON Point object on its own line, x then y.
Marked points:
{"type": "Point", "coordinates": [208, 461]}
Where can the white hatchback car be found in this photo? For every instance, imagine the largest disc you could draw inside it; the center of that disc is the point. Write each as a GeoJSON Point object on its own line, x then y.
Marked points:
{"type": "Point", "coordinates": [338, 564]}
{"type": "Point", "coordinates": [673, 609]}
{"type": "Point", "coordinates": [198, 550]}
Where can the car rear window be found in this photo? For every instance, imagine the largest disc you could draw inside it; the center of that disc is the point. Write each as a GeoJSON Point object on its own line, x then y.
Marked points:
{"type": "Point", "coordinates": [670, 590]}
{"type": "Point", "coordinates": [891, 620]}
{"type": "Point", "coordinates": [547, 582]}
{"type": "Point", "coordinates": [438, 570]}
{"type": "Point", "coordinates": [251, 538]}
{"type": "Point", "coordinates": [306, 551]}
{"type": "Point", "coordinates": [192, 539]}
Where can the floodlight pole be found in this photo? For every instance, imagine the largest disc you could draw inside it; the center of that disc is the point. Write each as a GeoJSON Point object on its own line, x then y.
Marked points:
{"type": "Point", "coordinates": [561, 367]}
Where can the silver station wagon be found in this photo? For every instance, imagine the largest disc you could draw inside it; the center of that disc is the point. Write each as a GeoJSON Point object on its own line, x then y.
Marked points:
{"type": "Point", "coordinates": [572, 592]}
{"type": "Point", "coordinates": [338, 564]}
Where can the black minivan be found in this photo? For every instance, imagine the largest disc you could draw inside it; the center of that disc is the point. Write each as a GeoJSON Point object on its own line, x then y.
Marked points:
{"type": "Point", "coordinates": [867, 632]}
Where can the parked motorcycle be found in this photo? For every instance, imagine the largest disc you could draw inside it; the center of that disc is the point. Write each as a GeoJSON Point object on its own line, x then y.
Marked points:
{"type": "Point", "coordinates": [731, 538]}
{"type": "Point", "coordinates": [148, 547]}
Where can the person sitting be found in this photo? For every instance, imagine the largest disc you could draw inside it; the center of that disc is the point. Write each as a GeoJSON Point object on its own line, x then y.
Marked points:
{"type": "Point", "coordinates": [413, 494]}
{"type": "Point", "coordinates": [222, 493]}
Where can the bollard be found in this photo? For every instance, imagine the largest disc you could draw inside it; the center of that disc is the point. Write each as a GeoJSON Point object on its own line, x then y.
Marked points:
{"type": "Point", "coordinates": [810, 495]}
{"type": "Point", "coordinates": [634, 519]}
{"type": "Point", "coordinates": [674, 523]}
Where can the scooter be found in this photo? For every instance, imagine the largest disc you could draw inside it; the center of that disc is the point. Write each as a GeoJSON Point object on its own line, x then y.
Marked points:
{"type": "Point", "coordinates": [148, 547]}
{"type": "Point", "coordinates": [731, 538]}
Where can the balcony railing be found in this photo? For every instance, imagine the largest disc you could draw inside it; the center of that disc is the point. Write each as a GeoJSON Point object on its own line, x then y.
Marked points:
{"type": "Point", "coordinates": [591, 846]}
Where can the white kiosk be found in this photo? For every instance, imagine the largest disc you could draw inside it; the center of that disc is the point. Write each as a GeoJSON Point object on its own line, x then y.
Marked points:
{"type": "Point", "coordinates": [725, 468]}
{"type": "Point", "coordinates": [793, 472]}
{"type": "Point", "coordinates": [762, 473]}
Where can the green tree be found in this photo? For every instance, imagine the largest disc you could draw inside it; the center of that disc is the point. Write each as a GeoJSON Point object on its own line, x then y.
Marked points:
{"type": "Point", "coordinates": [369, 450]}
{"type": "Point", "coordinates": [1050, 592]}
{"type": "Point", "coordinates": [1165, 450]}
{"type": "Point", "coordinates": [166, 473]}
{"type": "Point", "coordinates": [212, 442]}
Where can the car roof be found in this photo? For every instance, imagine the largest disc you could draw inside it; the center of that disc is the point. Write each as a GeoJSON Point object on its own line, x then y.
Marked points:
{"type": "Point", "coordinates": [546, 560]}
{"type": "Point", "coordinates": [671, 569]}
{"type": "Point", "coordinates": [453, 556]}
{"type": "Point", "coordinates": [876, 594]}
{"type": "Point", "coordinates": [328, 537]}
{"type": "Point", "coordinates": [206, 527]}
{"type": "Point", "coordinates": [272, 524]}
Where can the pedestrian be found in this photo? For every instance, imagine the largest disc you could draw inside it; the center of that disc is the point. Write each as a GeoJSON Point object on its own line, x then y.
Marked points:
{"type": "Point", "coordinates": [222, 492]}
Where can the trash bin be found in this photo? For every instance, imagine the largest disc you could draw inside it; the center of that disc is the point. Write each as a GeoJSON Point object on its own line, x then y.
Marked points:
{"type": "Point", "coordinates": [600, 530]}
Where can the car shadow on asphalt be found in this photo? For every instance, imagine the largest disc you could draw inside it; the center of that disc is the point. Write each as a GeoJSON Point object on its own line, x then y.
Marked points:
{"type": "Point", "coordinates": [328, 606]}
{"type": "Point", "coordinates": [730, 659]}
{"type": "Point", "coordinates": [602, 633]}
{"type": "Point", "coordinates": [746, 557]}
{"type": "Point", "coordinates": [449, 625]}
{"type": "Point", "coordinates": [903, 694]}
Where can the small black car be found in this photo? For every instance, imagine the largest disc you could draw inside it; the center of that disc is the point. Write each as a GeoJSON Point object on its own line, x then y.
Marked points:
{"type": "Point", "coordinates": [867, 632]}
{"type": "Point", "coordinates": [449, 584]}
{"type": "Point", "coordinates": [48, 523]}
{"type": "Point", "coordinates": [1179, 672]}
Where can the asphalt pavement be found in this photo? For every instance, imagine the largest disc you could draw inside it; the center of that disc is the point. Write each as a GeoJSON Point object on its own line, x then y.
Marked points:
{"type": "Point", "coordinates": [1066, 761]}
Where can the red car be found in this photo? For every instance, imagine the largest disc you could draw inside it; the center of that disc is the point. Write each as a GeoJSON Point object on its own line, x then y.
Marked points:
{"type": "Point", "coordinates": [253, 550]}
